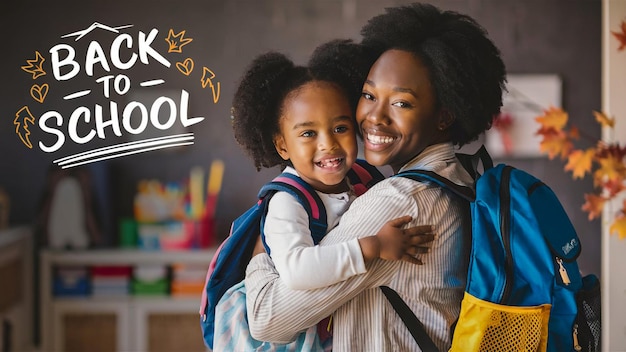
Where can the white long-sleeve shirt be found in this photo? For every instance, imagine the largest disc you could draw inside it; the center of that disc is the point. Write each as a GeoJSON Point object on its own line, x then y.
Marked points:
{"type": "Point", "coordinates": [301, 264]}
{"type": "Point", "coordinates": [363, 318]}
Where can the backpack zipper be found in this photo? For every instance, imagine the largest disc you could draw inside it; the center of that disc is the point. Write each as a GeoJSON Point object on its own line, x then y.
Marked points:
{"type": "Point", "coordinates": [577, 346]}
{"type": "Point", "coordinates": [505, 224]}
{"type": "Point", "coordinates": [563, 272]}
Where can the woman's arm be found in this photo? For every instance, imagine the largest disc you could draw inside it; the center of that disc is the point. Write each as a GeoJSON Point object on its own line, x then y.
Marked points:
{"type": "Point", "coordinates": [278, 314]}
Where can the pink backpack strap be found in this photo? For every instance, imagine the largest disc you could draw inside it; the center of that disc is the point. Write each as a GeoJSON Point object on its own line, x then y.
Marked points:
{"type": "Point", "coordinates": [315, 210]}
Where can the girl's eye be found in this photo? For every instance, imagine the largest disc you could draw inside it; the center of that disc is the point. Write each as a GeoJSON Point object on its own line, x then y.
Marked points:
{"type": "Point", "coordinates": [307, 134]}
{"type": "Point", "coordinates": [341, 129]}
{"type": "Point", "coordinates": [367, 96]}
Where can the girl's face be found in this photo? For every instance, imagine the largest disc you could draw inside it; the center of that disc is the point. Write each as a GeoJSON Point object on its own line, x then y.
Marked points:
{"type": "Point", "coordinates": [318, 135]}
{"type": "Point", "coordinates": [397, 112]}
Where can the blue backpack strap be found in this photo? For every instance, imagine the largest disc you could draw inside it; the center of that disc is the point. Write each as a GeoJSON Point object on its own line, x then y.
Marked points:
{"type": "Point", "coordinates": [305, 194]}
{"type": "Point", "coordinates": [464, 192]}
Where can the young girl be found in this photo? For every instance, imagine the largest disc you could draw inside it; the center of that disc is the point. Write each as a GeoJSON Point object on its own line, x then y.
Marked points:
{"type": "Point", "coordinates": [302, 118]}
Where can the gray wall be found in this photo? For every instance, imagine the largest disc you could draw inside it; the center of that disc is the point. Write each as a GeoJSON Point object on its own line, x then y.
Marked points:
{"type": "Point", "coordinates": [535, 36]}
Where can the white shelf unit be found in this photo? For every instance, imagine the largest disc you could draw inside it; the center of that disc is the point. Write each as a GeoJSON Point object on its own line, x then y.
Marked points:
{"type": "Point", "coordinates": [16, 284]}
{"type": "Point", "coordinates": [127, 316]}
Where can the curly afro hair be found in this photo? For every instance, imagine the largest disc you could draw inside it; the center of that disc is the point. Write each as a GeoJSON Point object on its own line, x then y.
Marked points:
{"type": "Point", "coordinates": [268, 80]}
{"type": "Point", "coordinates": [466, 70]}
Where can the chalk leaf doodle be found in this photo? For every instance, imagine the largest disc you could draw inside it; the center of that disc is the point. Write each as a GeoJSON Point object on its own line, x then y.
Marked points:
{"type": "Point", "coordinates": [35, 66]}
{"type": "Point", "coordinates": [39, 92]}
{"type": "Point", "coordinates": [23, 119]}
{"type": "Point", "coordinates": [185, 67]}
{"type": "Point", "coordinates": [176, 41]}
{"type": "Point", "coordinates": [207, 76]}
{"type": "Point", "coordinates": [124, 108]}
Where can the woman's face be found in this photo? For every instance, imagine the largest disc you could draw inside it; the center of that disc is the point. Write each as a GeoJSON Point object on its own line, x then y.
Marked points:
{"type": "Point", "coordinates": [397, 112]}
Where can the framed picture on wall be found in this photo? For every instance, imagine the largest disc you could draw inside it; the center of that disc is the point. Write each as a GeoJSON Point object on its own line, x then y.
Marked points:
{"type": "Point", "coordinates": [514, 133]}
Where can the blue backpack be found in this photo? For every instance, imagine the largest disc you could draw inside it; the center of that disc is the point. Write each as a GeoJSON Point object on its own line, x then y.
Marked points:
{"type": "Point", "coordinates": [228, 266]}
{"type": "Point", "coordinates": [524, 290]}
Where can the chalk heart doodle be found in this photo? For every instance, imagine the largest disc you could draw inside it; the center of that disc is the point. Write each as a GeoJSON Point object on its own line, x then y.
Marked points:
{"type": "Point", "coordinates": [39, 92]}
{"type": "Point", "coordinates": [185, 67]}
{"type": "Point", "coordinates": [89, 121]}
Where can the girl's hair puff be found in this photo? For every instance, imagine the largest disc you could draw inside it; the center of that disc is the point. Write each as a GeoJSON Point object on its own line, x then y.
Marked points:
{"type": "Point", "coordinates": [465, 66]}
{"type": "Point", "coordinates": [270, 78]}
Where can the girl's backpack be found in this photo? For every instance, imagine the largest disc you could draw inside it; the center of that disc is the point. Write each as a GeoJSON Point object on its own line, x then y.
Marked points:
{"type": "Point", "coordinates": [228, 266]}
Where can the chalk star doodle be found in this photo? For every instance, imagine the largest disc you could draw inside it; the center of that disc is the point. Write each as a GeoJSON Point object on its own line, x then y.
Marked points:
{"type": "Point", "coordinates": [39, 92]}
{"type": "Point", "coordinates": [185, 67]}
{"type": "Point", "coordinates": [176, 41]}
{"type": "Point", "coordinates": [93, 26]}
{"type": "Point", "coordinates": [35, 66]}
{"type": "Point", "coordinates": [207, 75]}
{"type": "Point", "coordinates": [22, 119]}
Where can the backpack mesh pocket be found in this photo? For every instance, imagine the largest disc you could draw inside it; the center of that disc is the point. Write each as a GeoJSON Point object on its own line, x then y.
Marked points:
{"type": "Point", "coordinates": [588, 320]}
{"type": "Point", "coordinates": [486, 326]}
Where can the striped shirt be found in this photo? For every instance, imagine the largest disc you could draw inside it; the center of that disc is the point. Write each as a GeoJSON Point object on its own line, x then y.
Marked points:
{"type": "Point", "coordinates": [363, 318]}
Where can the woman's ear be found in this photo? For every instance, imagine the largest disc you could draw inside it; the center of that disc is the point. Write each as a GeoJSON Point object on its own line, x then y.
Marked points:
{"type": "Point", "coordinates": [281, 146]}
{"type": "Point", "coordinates": [446, 119]}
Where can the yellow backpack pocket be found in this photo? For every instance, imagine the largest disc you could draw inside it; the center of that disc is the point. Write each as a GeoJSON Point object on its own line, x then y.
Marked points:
{"type": "Point", "coordinates": [486, 326]}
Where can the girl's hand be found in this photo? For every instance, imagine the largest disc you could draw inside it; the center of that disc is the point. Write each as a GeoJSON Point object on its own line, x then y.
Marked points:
{"type": "Point", "coordinates": [403, 244]}
{"type": "Point", "coordinates": [392, 242]}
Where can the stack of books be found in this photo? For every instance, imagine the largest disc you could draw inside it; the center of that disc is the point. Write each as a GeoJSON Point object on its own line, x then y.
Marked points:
{"type": "Point", "coordinates": [109, 280]}
{"type": "Point", "coordinates": [70, 281]}
{"type": "Point", "coordinates": [150, 279]}
{"type": "Point", "coordinates": [188, 279]}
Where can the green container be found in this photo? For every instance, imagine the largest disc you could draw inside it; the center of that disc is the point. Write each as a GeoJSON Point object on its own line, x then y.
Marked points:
{"type": "Point", "coordinates": [158, 287]}
{"type": "Point", "coordinates": [128, 233]}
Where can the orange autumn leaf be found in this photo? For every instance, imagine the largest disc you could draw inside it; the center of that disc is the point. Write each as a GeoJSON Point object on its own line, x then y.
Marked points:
{"type": "Point", "coordinates": [611, 168]}
{"type": "Point", "coordinates": [613, 187]}
{"type": "Point", "coordinates": [604, 120]}
{"type": "Point", "coordinates": [553, 118]}
{"type": "Point", "coordinates": [593, 205]}
{"type": "Point", "coordinates": [619, 227]}
{"type": "Point", "coordinates": [574, 133]}
{"type": "Point", "coordinates": [611, 149]}
{"type": "Point", "coordinates": [579, 162]}
{"type": "Point", "coordinates": [556, 143]}
{"type": "Point", "coordinates": [610, 159]}
{"type": "Point", "coordinates": [621, 36]}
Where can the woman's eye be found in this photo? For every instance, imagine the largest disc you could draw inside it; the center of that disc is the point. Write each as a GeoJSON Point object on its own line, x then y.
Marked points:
{"type": "Point", "coordinates": [402, 104]}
